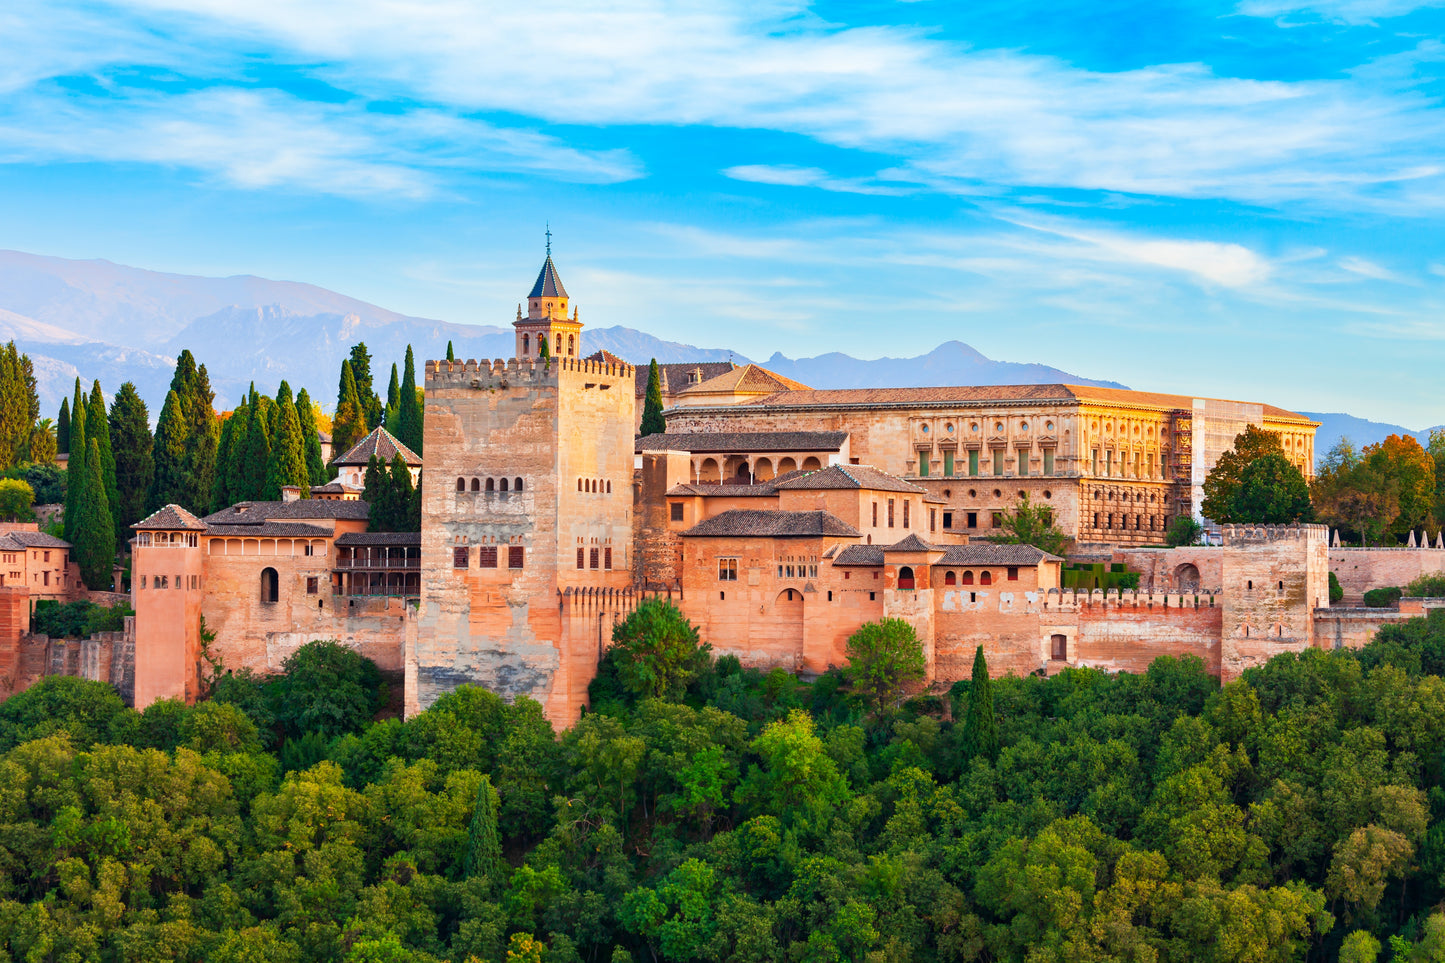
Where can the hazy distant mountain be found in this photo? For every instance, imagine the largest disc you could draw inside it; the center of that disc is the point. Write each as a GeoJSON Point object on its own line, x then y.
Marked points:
{"type": "Point", "coordinates": [96, 319]}
{"type": "Point", "coordinates": [1361, 432]}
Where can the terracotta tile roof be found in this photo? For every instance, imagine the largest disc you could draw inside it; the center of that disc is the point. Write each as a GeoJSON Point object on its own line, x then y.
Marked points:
{"type": "Point", "coordinates": [709, 442]}
{"type": "Point", "coordinates": [749, 378]}
{"type": "Point", "coordinates": [910, 544]}
{"type": "Point", "coordinates": [171, 518]}
{"type": "Point", "coordinates": [850, 476]}
{"type": "Point", "coordinates": [23, 540]}
{"type": "Point", "coordinates": [382, 444]}
{"type": "Point", "coordinates": [272, 530]}
{"type": "Point", "coordinates": [548, 285]}
{"type": "Point", "coordinates": [860, 555]}
{"type": "Point", "coordinates": [253, 513]}
{"type": "Point", "coordinates": [607, 357]}
{"type": "Point", "coordinates": [361, 539]}
{"type": "Point", "coordinates": [743, 522]}
{"type": "Point", "coordinates": [875, 397]}
{"type": "Point", "coordinates": [765, 490]}
{"type": "Point", "coordinates": [335, 488]}
{"type": "Point", "coordinates": [988, 553]}
{"type": "Point", "coordinates": [1153, 399]}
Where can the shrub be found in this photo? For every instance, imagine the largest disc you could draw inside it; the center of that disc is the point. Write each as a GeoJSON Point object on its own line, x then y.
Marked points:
{"type": "Point", "coordinates": [57, 703]}
{"type": "Point", "coordinates": [1430, 586]}
{"type": "Point", "coordinates": [1184, 530]}
{"type": "Point", "coordinates": [327, 688]}
{"type": "Point", "coordinates": [75, 620]}
{"type": "Point", "coordinates": [883, 658]}
{"type": "Point", "coordinates": [657, 651]}
{"type": "Point", "coordinates": [1383, 598]}
{"type": "Point", "coordinates": [1337, 591]}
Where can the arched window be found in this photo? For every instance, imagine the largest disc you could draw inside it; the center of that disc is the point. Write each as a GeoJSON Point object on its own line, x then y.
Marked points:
{"type": "Point", "coordinates": [461, 484]}
{"type": "Point", "coordinates": [559, 344]}
{"type": "Point", "coordinates": [967, 578]}
{"type": "Point", "coordinates": [579, 484]}
{"type": "Point", "coordinates": [504, 484]}
{"type": "Point", "coordinates": [950, 579]}
{"type": "Point", "coordinates": [985, 579]}
{"type": "Point", "coordinates": [905, 577]}
{"type": "Point", "coordinates": [476, 484]}
{"type": "Point", "coordinates": [571, 345]}
{"type": "Point", "coordinates": [270, 585]}
{"type": "Point", "coordinates": [491, 484]}
{"type": "Point", "coordinates": [609, 488]}
{"type": "Point", "coordinates": [526, 344]}
{"type": "Point", "coordinates": [518, 486]}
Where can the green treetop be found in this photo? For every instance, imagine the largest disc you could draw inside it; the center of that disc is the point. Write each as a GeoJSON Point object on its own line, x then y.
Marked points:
{"type": "Point", "coordinates": [192, 386]}
{"type": "Point", "coordinates": [884, 657]}
{"type": "Point", "coordinates": [393, 403]}
{"type": "Point", "coordinates": [94, 539]}
{"type": "Point", "coordinates": [98, 425]}
{"type": "Point", "coordinates": [450, 355]}
{"type": "Point", "coordinates": [1030, 524]}
{"type": "Point", "coordinates": [652, 423]}
{"type": "Point", "coordinates": [19, 404]}
{"type": "Point", "coordinates": [169, 484]}
{"type": "Point", "coordinates": [657, 651]}
{"type": "Point", "coordinates": [409, 412]}
{"type": "Point", "coordinates": [484, 845]}
{"type": "Point", "coordinates": [365, 389]}
{"type": "Point", "coordinates": [1223, 479]}
{"type": "Point", "coordinates": [310, 438]}
{"type": "Point", "coordinates": [252, 469]}
{"type": "Point", "coordinates": [134, 449]}
{"type": "Point", "coordinates": [1271, 491]}
{"type": "Point", "coordinates": [75, 465]}
{"type": "Point", "coordinates": [62, 428]}
{"type": "Point", "coordinates": [980, 725]}
{"type": "Point", "coordinates": [348, 426]}
{"type": "Point", "coordinates": [287, 462]}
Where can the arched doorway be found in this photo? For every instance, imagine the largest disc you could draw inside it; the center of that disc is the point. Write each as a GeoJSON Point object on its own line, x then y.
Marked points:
{"type": "Point", "coordinates": [788, 620]}
{"type": "Point", "coordinates": [270, 585]}
{"type": "Point", "coordinates": [905, 577]}
{"type": "Point", "coordinates": [1186, 579]}
{"type": "Point", "coordinates": [707, 472]}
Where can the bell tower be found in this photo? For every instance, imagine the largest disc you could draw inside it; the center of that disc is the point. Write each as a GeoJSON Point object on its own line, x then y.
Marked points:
{"type": "Point", "coordinates": [546, 319]}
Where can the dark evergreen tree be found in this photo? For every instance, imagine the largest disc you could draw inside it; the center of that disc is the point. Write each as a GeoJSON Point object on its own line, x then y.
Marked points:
{"type": "Point", "coordinates": [377, 493]}
{"type": "Point", "coordinates": [484, 844]}
{"type": "Point", "coordinates": [75, 465]}
{"type": "Point", "coordinates": [348, 426]}
{"type": "Point", "coordinates": [225, 455]}
{"type": "Point", "coordinates": [310, 439]}
{"type": "Point", "coordinates": [170, 484]}
{"type": "Point", "coordinates": [240, 437]}
{"type": "Point", "coordinates": [450, 355]}
{"type": "Point", "coordinates": [94, 539]}
{"type": "Point", "coordinates": [405, 498]}
{"type": "Point", "coordinates": [251, 471]}
{"type": "Point", "coordinates": [19, 404]}
{"type": "Point", "coordinates": [365, 389]}
{"type": "Point", "coordinates": [652, 423]}
{"type": "Point", "coordinates": [133, 445]}
{"type": "Point", "coordinates": [287, 464]}
{"type": "Point", "coordinates": [98, 427]}
{"type": "Point", "coordinates": [192, 386]}
{"type": "Point", "coordinates": [980, 725]}
{"type": "Point", "coordinates": [409, 417]}
{"type": "Point", "coordinates": [62, 428]}
{"type": "Point", "coordinates": [393, 402]}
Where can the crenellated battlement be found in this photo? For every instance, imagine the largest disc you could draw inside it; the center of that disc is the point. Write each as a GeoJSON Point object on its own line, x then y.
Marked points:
{"type": "Point", "coordinates": [1069, 600]}
{"type": "Point", "coordinates": [1259, 534]}
{"type": "Point", "coordinates": [501, 373]}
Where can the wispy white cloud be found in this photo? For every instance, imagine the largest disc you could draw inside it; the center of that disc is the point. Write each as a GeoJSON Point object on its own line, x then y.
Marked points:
{"type": "Point", "coordinates": [953, 116]}
{"type": "Point", "coordinates": [1365, 268]}
{"type": "Point", "coordinates": [787, 176]}
{"type": "Point", "coordinates": [1338, 11]}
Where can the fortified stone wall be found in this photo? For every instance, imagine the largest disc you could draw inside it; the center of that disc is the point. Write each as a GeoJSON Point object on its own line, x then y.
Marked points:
{"type": "Point", "coordinates": [14, 623]}
{"type": "Point", "coordinates": [1362, 569]}
{"type": "Point", "coordinates": [657, 551]}
{"type": "Point", "coordinates": [1187, 569]}
{"type": "Point", "coordinates": [1275, 576]}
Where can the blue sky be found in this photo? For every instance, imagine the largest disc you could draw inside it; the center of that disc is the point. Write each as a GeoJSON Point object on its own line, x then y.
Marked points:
{"type": "Point", "coordinates": [1234, 199]}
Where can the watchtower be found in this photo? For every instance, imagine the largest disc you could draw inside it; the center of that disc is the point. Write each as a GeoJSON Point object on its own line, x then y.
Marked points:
{"type": "Point", "coordinates": [546, 320]}
{"type": "Point", "coordinates": [167, 580]}
{"type": "Point", "coordinates": [1274, 577]}
{"type": "Point", "coordinates": [526, 508]}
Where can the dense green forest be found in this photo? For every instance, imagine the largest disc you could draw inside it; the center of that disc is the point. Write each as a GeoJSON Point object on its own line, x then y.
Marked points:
{"type": "Point", "coordinates": [735, 815]}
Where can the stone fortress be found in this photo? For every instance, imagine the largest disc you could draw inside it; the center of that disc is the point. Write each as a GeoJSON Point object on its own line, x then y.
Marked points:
{"type": "Point", "coordinates": [777, 517]}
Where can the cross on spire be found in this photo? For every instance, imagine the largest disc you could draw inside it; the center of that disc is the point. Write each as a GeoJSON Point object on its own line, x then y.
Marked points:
{"type": "Point", "coordinates": [549, 238]}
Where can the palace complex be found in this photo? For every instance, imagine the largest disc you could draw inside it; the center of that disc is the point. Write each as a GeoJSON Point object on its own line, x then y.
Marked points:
{"type": "Point", "coordinates": [779, 518]}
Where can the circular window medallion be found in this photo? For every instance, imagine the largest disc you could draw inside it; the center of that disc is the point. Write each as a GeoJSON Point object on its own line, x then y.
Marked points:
{"type": "Point", "coordinates": [973, 427]}
{"type": "Point", "coordinates": [998, 426]}
{"type": "Point", "coordinates": [923, 428]}
{"type": "Point", "coordinates": [1023, 426]}
{"type": "Point", "coordinates": [1023, 494]}
{"type": "Point", "coordinates": [973, 493]}
{"type": "Point", "coordinates": [1048, 494]}
{"type": "Point", "coordinates": [948, 427]}
{"type": "Point", "coordinates": [1048, 426]}
{"type": "Point", "coordinates": [997, 493]}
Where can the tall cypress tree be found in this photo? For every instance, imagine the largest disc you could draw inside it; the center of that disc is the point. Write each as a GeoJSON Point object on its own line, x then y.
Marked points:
{"type": "Point", "coordinates": [62, 428]}
{"type": "Point", "coordinates": [287, 465]}
{"type": "Point", "coordinates": [94, 540]}
{"type": "Point", "coordinates": [132, 443]}
{"type": "Point", "coordinates": [409, 416]}
{"type": "Point", "coordinates": [652, 423]}
{"type": "Point", "coordinates": [225, 455]}
{"type": "Point", "coordinates": [450, 356]}
{"type": "Point", "coordinates": [251, 470]}
{"type": "Point", "coordinates": [349, 424]}
{"type": "Point", "coordinates": [169, 485]}
{"type": "Point", "coordinates": [393, 403]}
{"type": "Point", "coordinates": [376, 492]}
{"type": "Point", "coordinates": [405, 503]}
{"type": "Point", "coordinates": [98, 427]}
{"type": "Point", "coordinates": [365, 389]}
{"type": "Point", "coordinates": [484, 844]}
{"type": "Point", "coordinates": [310, 439]}
{"type": "Point", "coordinates": [980, 725]}
{"type": "Point", "coordinates": [75, 465]}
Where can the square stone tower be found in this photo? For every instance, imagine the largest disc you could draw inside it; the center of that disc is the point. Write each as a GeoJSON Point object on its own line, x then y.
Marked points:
{"type": "Point", "coordinates": [526, 527]}
{"type": "Point", "coordinates": [1274, 577]}
{"type": "Point", "coordinates": [167, 585]}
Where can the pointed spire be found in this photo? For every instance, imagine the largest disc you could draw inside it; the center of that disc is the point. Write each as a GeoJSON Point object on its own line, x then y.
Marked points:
{"type": "Point", "coordinates": [1336, 543]}
{"type": "Point", "coordinates": [1412, 539]}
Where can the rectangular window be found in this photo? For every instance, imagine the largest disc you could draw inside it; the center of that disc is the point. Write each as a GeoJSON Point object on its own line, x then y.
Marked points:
{"type": "Point", "coordinates": [875, 514]}
{"type": "Point", "coordinates": [313, 585]}
{"type": "Point", "coordinates": [593, 558]}
{"type": "Point", "coordinates": [790, 571]}
{"type": "Point", "coordinates": [607, 558]}
{"type": "Point", "coordinates": [996, 519]}
{"type": "Point", "coordinates": [1136, 464]}
{"type": "Point", "coordinates": [906, 502]}
{"type": "Point", "coordinates": [948, 463]}
{"type": "Point", "coordinates": [948, 520]}
{"type": "Point", "coordinates": [47, 578]}
{"type": "Point", "coordinates": [780, 571]}
{"type": "Point", "coordinates": [923, 464]}
{"type": "Point", "coordinates": [973, 519]}
{"type": "Point", "coordinates": [1048, 461]}
{"type": "Point", "coordinates": [581, 556]}
{"type": "Point", "coordinates": [1023, 454]}
{"type": "Point", "coordinates": [727, 570]}
{"type": "Point", "coordinates": [722, 596]}
{"type": "Point", "coordinates": [1094, 462]}
{"type": "Point", "coordinates": [459, 557]}
{"type": "Point", "coordinates": [1109, 462]}
{"type": "Point", "coordinates": [142, 580]}
{"type": "Point", "coordinates": [890, 513]}
{"type": "Point", "coordinates": [1149, 464]}
{"type": "Point", "coordinates": [933, 519]}
{"type": "Point", "coordinates": [486, 556]}
{"type": "Point", "coordinates": [998, 461]}
{"type": "Point", "coordinates": [514, 556]}
{"type": "Point", "coordinates": [872, 596]}
{"type": "Point", "coordinates": [47, 556]}
{"type": "Point", "coordinates": [1013, 573]}
{"type": "Point", "coordinates": [676, 508]}
{"type": "Point", "coordinates": [973, 461]}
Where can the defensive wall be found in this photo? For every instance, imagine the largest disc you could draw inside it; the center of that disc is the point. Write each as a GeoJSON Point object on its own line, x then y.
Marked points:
{"type": "Point", "coordinates": [1361, 569]}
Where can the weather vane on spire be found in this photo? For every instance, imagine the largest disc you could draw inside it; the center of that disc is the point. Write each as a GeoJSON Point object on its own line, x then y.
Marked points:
{"type": "Point", "coordinates": [549, 238]}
